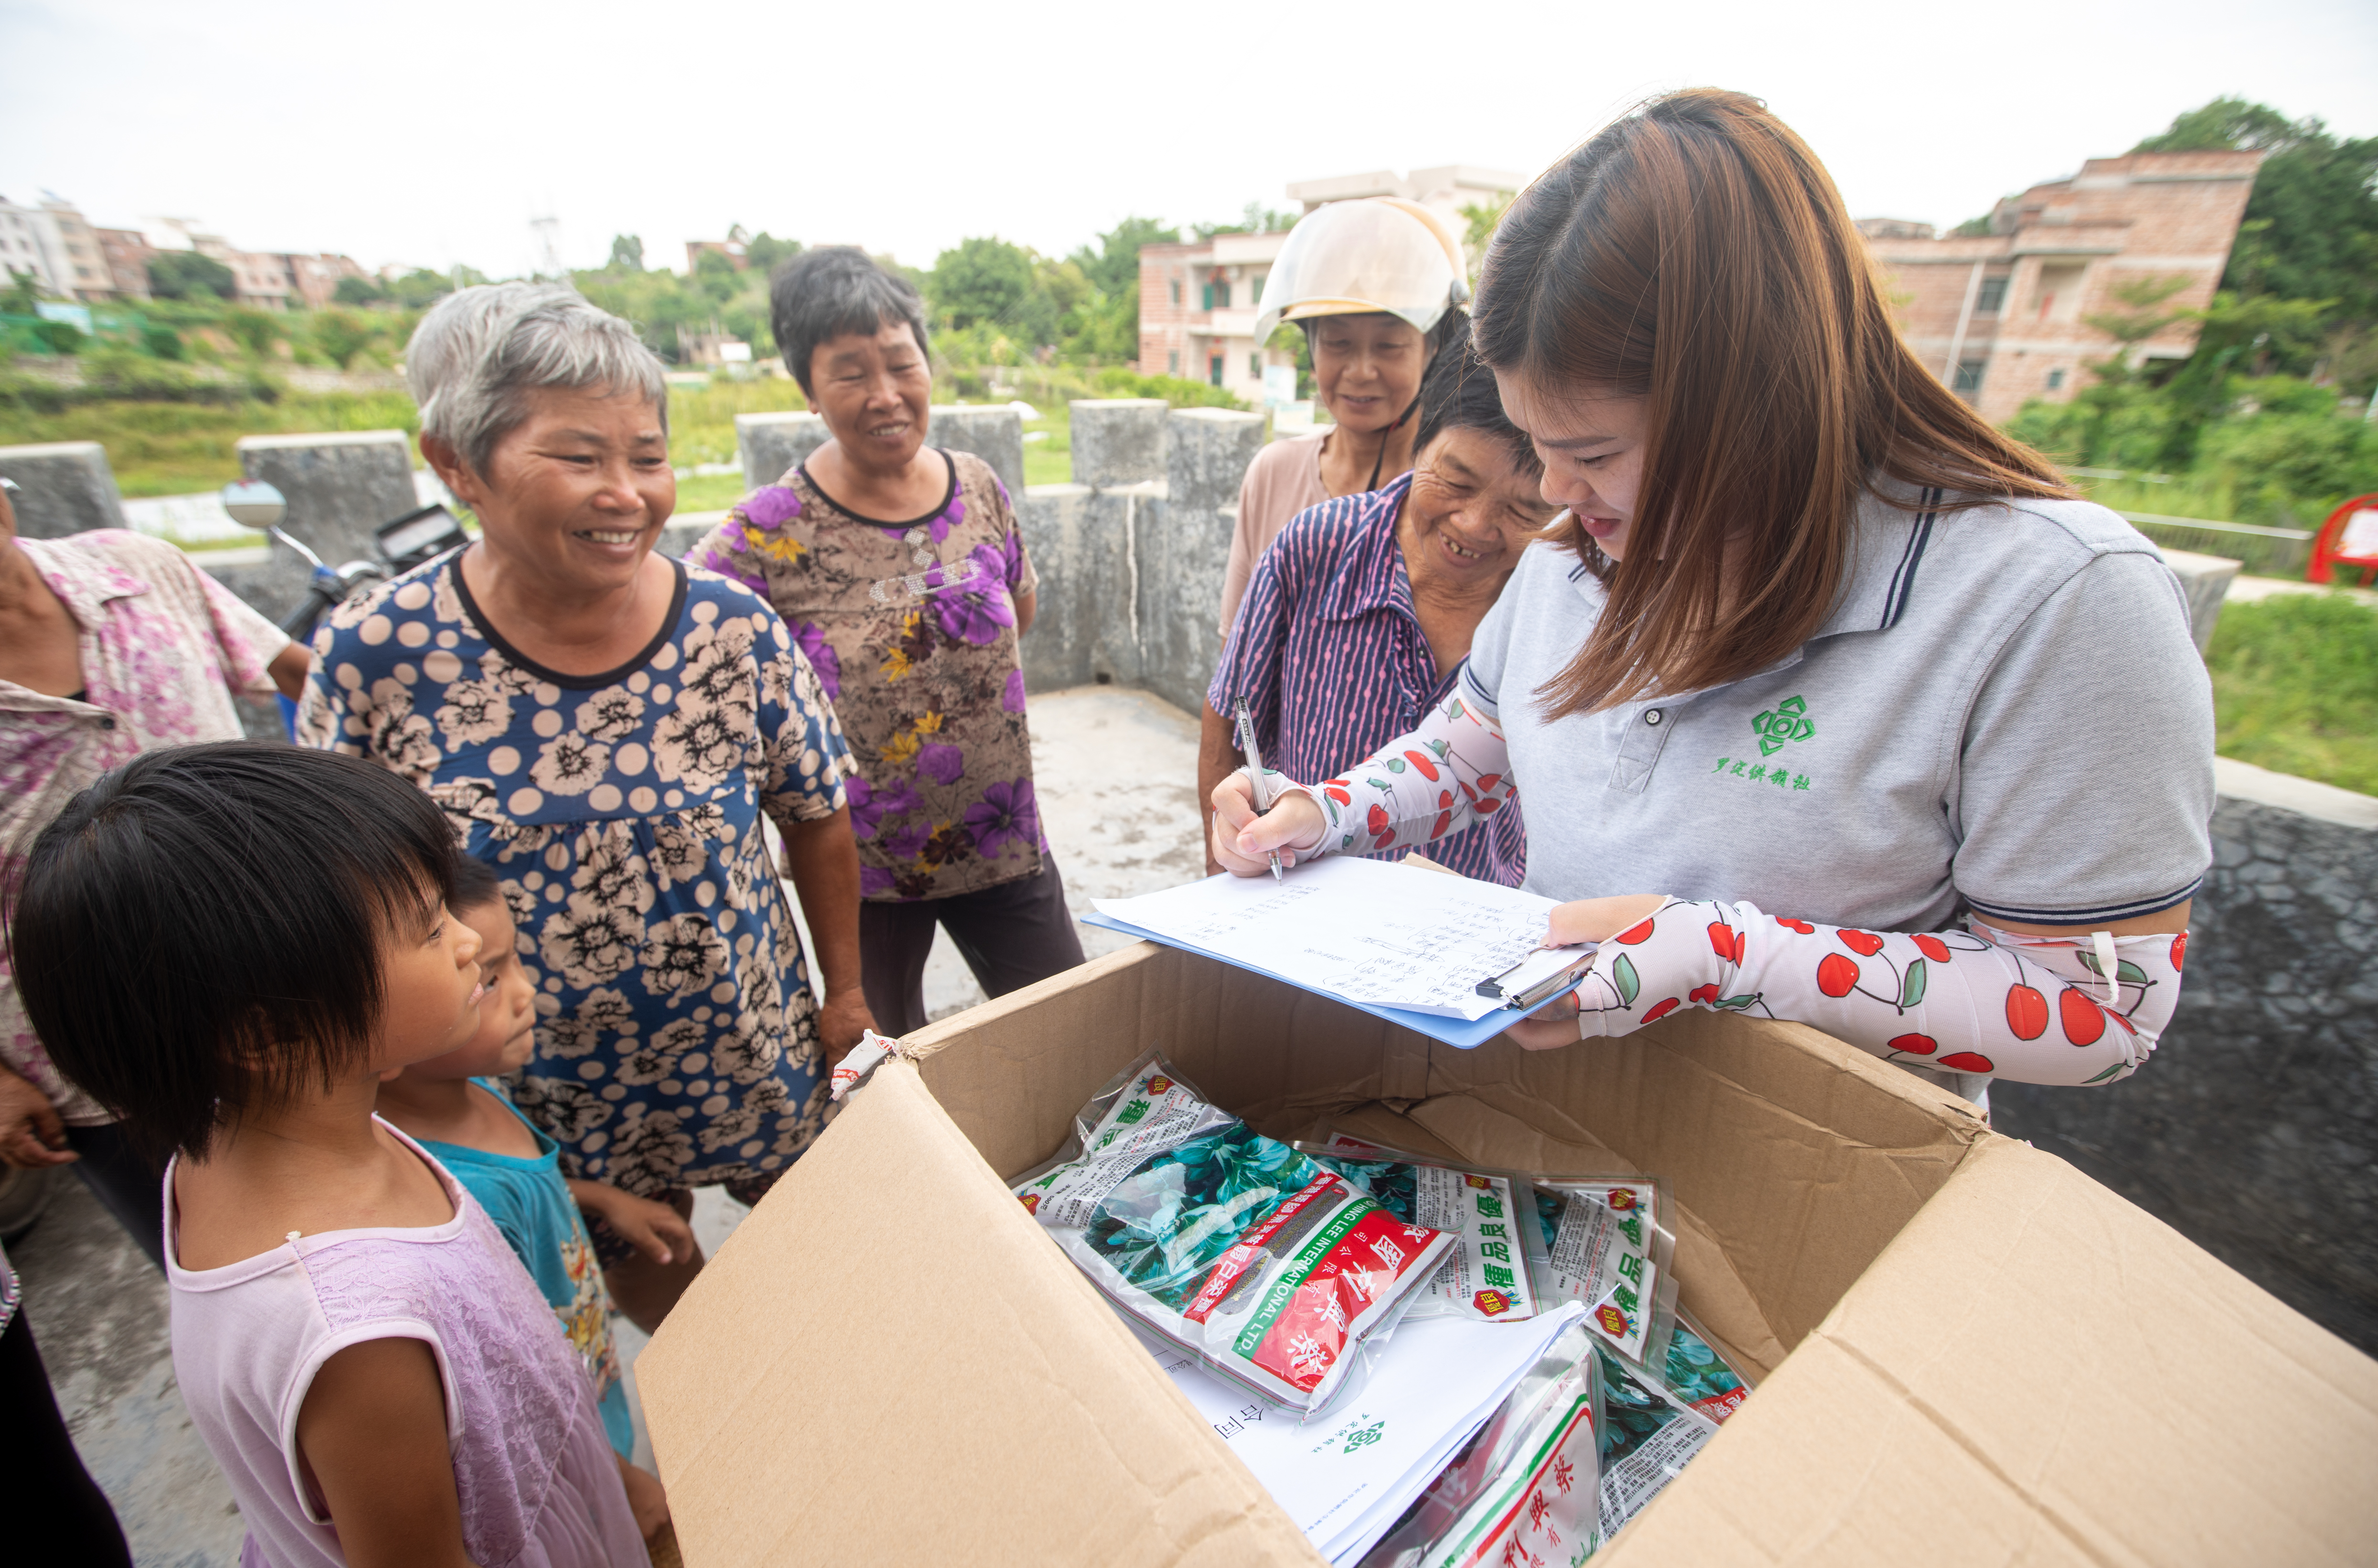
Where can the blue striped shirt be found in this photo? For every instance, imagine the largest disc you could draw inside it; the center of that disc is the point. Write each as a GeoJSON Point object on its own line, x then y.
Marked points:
{"type": "Point", "coordinates": [1332, 662]}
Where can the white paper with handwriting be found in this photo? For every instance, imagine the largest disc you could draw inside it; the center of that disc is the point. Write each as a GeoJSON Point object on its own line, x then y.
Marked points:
{"type": "Point", "coordinates": [1371, 932]}
{"type": "Point", "coordinates": [1348, 1474]}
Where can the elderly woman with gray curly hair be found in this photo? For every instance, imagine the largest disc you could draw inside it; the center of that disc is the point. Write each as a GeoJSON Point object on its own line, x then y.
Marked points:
{"type": "Point", "coordinates": [608, 729]}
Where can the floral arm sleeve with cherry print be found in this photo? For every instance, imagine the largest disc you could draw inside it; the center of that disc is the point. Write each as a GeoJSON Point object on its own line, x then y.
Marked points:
{"type": "Point", "coordinates": [1439, 778]}
{"type": "Point", "coordinates": [2029, 1009]}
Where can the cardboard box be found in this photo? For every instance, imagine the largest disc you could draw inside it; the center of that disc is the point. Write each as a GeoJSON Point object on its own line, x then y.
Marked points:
{"type": "Point", "coordinates": [1968, 1352]}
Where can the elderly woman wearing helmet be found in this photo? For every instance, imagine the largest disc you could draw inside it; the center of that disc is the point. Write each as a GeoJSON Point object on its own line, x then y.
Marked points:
{"type": "Point", "coordinates": [1377, 285]}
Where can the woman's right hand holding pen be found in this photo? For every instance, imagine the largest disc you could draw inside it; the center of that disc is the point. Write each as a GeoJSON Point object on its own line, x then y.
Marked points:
{"type": "Point", "coordinates": [1244, 842]}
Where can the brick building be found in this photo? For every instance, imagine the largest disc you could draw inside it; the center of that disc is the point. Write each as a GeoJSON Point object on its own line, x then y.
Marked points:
{"type": "Point", "coordinates": [2002, 317]}
{"type": "Point", "coordinates": [127, 252]}
{"type": "Point", "coordinates": [1197, 311]}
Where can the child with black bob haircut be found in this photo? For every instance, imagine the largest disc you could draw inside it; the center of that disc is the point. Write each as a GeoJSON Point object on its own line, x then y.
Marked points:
{"type": "Point", "coordinates": [231, 946]}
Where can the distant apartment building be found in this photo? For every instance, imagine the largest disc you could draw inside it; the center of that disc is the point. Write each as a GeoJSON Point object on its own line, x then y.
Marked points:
{"type": "Point", "coordinates": [1197, 301]}
{"type": "Point", "coordinates": [1197, 311]}
{"type": "Point", "coordinates": [318, 277]}
{"type": "Point", "coordinates": [57, 245]}
{"type": "Point", "coordinates": [126, 252]}
{"type": "Point", "coordinates": [20, 246]}
{"type": "Point", "coordinates": [2003, 318]}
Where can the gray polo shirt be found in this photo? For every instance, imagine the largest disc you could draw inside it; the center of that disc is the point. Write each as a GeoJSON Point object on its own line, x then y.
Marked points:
{"type": "Point", "coordinates": [2005, 711]}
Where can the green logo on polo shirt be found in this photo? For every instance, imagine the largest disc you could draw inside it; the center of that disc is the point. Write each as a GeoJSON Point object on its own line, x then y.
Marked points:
{"type": "Point", "coordinates": [1787, 721]}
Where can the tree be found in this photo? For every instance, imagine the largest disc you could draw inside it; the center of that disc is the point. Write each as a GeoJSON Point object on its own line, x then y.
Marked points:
{"type": "Point", "coordinates": [1113, 265]}
{"type": "Point", "coordinates": [716, 275]}
{"type": "Point", "coordinates": [2311, 228]}
{"type": "Point", "coordinates": [1480, 220]}
{"type": "Point", "coordinates": [1972, 229]}
{"type": "Point", "coordinates": [185, 274]}
{"type": "Point", "coordinates": [985, 281]}
{"type": "Point", "coordinates": [23, 295]}
{"type": "Point", "coordinates": [765, 251]}
{"type": "Point", "coordinates": [357, 291]}
{"type": "Point", "coordinates": [627, 253]}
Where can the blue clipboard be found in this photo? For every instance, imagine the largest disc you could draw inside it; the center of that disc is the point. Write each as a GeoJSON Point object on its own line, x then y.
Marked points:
{"type": "Point", "coordinates": [1459, 1032]}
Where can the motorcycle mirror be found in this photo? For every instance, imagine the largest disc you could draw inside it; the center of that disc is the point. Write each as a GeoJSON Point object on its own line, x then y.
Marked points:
{"type": "Point", "coordinates": [254, 504]}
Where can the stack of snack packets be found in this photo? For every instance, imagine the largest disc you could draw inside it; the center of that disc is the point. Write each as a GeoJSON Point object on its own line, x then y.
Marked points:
{"type": "Point", "coordinates": [1606, 1241]}
{"type": "Point", "coordinates": [1269, 1268]}
{"type": "Point", "coordinates": [1487, 1275]}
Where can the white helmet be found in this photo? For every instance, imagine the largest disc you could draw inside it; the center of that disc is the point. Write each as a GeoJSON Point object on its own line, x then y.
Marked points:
{"type": "Point", "coordinates": [1380, 254]}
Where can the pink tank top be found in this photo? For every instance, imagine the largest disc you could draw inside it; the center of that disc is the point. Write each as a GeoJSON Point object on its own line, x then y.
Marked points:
{"type": "Point", "coordinates": [533, 1469]}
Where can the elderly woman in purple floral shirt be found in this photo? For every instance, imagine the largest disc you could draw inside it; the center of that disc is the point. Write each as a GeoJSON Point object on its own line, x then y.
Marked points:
{"type": "Point", "coordinates": [899, 569]}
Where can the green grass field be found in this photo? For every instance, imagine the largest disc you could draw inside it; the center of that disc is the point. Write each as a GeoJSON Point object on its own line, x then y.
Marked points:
{"type": "Point", "coordinates": [2295, 688]}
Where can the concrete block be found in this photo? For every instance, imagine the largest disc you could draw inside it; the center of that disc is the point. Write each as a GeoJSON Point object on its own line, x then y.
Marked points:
{"type": "Point", "coordinates": [1118, 440]}
{"type": "Point", "coordinates": [61, 488]}
{"type": "Point", "coordinates": [1180, 562]}
{"type": "Point", "coordinates": [339, 485]}
{"type": "Point", "coordinates": [1206, 454]}
{"type": "Point", "coordinates": [2253, 1130]}
{"type": "Point", "coordinates": [994, 435]}
{"type": "Point", "coordinates": [1056, 520]}
{"type": "Point", "coordinates": [772, 445]}
{"type": "Point", "coordinates": [2207, 580]}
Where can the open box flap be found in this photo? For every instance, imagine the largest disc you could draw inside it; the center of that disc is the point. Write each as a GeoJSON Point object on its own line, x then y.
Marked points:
{"type": "Point", "coordinates": [889, 1362]}
{"type": "Point", "coordinates": [2037, 1371]}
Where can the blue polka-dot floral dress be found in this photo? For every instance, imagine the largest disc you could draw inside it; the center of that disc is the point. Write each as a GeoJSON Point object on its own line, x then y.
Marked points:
{"type": "Point", "coordinates": [676, 1040]}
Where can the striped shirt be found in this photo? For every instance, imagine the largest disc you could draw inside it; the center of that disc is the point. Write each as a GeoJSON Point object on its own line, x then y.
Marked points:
{"type": "Point", "coordinates": [1333, 665]}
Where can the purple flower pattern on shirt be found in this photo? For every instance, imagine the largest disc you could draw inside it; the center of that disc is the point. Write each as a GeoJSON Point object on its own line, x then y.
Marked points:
{"type": "Point", "coordinates": [940, 763]}
{"type": "Point", "coordinates": [1007, 813]}
{"type": "Point", "coordinates": [928, 685]}
{"type": "Point", "coordinates": [811, 639]}
{"type": "Point", "coordinates": [771, 505]}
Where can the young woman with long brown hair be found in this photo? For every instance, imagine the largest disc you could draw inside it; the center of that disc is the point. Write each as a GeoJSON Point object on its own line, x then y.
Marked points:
{"type": "Point", "coordinates": [1811, 638]}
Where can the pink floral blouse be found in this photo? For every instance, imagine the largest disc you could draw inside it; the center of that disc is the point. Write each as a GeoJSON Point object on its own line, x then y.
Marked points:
{"type": "Point", "coordinates": [163, 647]}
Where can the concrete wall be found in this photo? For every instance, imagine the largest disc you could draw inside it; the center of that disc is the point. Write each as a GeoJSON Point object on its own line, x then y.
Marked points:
{"type": "Point", "coordinates": [340, 487]}
{"type": "Point", "coordinates": [2254, 1130]}
{"type": "Point", "coordinates": [1130, 554]}
{"type": "Point", "coordinates": [61, 488]}
{"type": "Point", "coordinates": [769, 445]}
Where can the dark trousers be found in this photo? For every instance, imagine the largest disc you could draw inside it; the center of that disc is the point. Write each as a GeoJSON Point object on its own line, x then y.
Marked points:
{"type": "Point", "coordinates": [45, 1495]}
{"type": "Point", "coordinates": [1010, 936]}
{"type": "Point", "coordinates": [127, 1186]}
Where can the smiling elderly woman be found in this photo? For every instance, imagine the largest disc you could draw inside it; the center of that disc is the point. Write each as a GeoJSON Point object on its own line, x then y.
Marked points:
{"type": "Point", "coordinates": [607, 728]}
{"type": "Point", "coordinates": [1358, 617]}
{"type": "Point", "coordinates": [902, 572]}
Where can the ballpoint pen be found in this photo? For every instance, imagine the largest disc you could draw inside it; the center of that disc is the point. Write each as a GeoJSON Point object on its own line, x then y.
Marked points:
{"type": "Point", "coordinates": [1256, 780]}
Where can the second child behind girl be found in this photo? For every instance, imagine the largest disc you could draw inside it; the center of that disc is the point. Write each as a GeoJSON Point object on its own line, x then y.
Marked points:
{"type": "Point", "coordinates": [512, 1170]}
{"type": "Point", "coordinates": [379, 1378]}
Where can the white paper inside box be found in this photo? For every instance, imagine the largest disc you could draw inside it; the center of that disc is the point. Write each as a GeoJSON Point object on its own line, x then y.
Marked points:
{"type": "Point", "coordinates": [1968, 1352]}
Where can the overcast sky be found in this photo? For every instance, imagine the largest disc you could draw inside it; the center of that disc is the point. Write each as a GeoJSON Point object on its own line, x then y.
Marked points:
{"type": "Point", "coordinates": [432, 132]}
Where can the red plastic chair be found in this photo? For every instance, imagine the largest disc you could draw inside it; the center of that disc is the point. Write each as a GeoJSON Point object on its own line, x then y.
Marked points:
{"type": "Point", "coordinates": [2349, 538]}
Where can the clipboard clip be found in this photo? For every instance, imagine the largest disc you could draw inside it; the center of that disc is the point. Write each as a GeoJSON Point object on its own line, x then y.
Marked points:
{"type": "Point", "coordinates": [1553, 985]}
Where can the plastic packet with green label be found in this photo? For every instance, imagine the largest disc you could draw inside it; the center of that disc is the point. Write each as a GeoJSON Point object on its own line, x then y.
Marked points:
{"type": "Point", "coordinates": [1698, 1372]}
{"type": "Point", "coordinates": [1649, 1435]}
{"type": "Point", "coordinates": [1486, 1275]}
{"type": "Point", "coordinates": [1607, 1241]}
{"type": "Point", "coordinates": [1526, 1488]}
{"type": "Point", "coordinates": [1267, 1266]}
